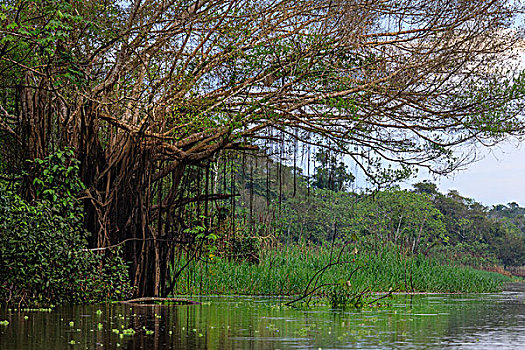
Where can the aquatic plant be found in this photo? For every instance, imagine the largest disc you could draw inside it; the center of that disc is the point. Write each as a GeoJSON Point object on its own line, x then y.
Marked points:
{"type": "Point", "coordinates": [287, 270]}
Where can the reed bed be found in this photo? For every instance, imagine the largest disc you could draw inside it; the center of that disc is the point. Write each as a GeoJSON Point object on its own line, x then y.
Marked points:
{"type": "Point", "coordinates": [287, 271]}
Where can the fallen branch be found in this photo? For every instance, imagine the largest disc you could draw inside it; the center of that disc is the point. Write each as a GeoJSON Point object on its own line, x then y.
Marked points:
{"type": "Point", "coordinates": [139, 301]}
{"type": "Point", "coordinates": [133, 239]}
{"type": "Point", "coordinates": [316, 276]}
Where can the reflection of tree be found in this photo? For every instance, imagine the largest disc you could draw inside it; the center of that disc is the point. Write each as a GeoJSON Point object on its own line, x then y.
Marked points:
{"type": "Point", "coordinates": [152, 325]}
{"type": "Point", "coordinates": [419, 321]}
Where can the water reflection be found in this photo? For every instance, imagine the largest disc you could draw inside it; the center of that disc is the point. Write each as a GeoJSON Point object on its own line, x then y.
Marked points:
{"type": "Point", "coordinates": [410, 322]}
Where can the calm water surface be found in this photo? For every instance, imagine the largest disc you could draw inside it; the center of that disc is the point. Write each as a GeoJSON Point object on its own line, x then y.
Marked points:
{"type": "Point", "coordinates": [486, 321]}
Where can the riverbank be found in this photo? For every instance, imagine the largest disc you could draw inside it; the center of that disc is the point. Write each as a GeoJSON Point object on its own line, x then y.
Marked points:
{"type": "Point", "coordinates": [288, 270]}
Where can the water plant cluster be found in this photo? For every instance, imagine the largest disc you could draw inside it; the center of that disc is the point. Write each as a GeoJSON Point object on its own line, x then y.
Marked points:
{"type": "Point", "coordinates": [287, 270]}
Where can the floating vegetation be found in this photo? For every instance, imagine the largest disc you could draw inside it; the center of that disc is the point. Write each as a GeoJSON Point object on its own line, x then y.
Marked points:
{"type": "Point", "coordinates": [46, 309]}
{"type": "Point", "coordinates": [419, 320]}
{"type": "Point", "coordinates": [128, 331]}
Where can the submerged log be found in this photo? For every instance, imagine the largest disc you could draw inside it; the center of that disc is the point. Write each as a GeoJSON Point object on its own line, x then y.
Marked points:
{"type": "Point", "coordinates": [155, 301]}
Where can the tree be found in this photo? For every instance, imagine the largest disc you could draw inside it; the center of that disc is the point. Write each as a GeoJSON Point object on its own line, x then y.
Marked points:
{"type": "Point", "coordinates": [513, 213]}
{"type": "Point", "coordinates": [146, 90]}
{"type": "Point", "coordinates": [404, 218]}
{"type": "Point", "coordinates": [331, 174]}
{"type": "Point", "coordinates": [426, 187]}
{"type": "Point", "coordinates": [475, 233]}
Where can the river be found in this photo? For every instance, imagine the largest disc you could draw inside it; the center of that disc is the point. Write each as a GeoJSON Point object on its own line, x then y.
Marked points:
{"type": "Point", "coordinates": [475, 321]}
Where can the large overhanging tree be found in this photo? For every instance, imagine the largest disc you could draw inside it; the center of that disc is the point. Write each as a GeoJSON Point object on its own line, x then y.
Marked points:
{"type": "Point", "coordinates": [143, 89]}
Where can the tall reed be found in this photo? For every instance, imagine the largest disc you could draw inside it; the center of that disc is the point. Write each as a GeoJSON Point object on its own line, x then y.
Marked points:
{"type": "Point", "coordinates": [288, 269]}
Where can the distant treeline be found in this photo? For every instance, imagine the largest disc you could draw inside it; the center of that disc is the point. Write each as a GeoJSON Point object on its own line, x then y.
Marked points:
{"type": "Point", "coordinates": [280, 201]}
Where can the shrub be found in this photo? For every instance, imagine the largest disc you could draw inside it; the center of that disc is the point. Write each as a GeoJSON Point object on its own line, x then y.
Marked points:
{"type": "Point", "coordinates": [43, 248]}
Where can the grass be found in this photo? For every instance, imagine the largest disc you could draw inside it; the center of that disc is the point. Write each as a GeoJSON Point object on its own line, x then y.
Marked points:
{"type": "Point", "coordinates": [287, 271]}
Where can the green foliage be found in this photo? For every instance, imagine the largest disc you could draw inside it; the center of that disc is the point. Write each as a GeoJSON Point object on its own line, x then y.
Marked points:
{"type": "Point", "coordinates": [320, 217]}
{"type": "Point", "coordinates": [475, 254]}
{"type": "Point", "coordinates": [449, 228]}
{"type": "Point", "coordinates": [404, 218]}
{"type": "Point", "coordinates": [56, 182]}
{"type": "Point", "coordinates": [37, 33]}
{"type": "Point", "coordinates": [331, 174]}
{"type": "Point", "coordinates": [511, 212]}
{"type": "Point", "coordinates": [477, 236]}
{"type": "Point", "coordinates": [43, 249]}
{"type": "Point", "coordinates": [287, 270]}
{"type": "Point", "coordinates": [242, 246]}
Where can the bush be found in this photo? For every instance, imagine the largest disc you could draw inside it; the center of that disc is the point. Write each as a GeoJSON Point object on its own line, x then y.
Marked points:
{"type": "Point", "coordinates": [475, 254]}
{"type": "Point", "coordinates": [43, 248]}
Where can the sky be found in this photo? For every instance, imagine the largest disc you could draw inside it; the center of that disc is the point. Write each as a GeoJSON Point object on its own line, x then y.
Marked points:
{"type": "Point", "coordinates": [498, 178]}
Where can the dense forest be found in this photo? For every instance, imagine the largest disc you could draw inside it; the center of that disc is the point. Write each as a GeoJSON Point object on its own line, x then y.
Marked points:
{"type": "Point", "coordinates": [133, 131]}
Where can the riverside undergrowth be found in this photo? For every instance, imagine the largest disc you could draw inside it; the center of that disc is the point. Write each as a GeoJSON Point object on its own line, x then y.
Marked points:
{"type": "Point", "coordinates": [287, 270]}
{"type": "Point", "coordinates": [44, 255]}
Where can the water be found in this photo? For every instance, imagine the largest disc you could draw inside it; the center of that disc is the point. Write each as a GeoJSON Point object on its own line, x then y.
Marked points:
{"type": "Point", "coordinates": [486, 321]}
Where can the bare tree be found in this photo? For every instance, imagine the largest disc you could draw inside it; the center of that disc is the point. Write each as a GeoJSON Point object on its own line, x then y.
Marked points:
{"type": "Point", "coordinates": [144, 89]}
